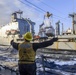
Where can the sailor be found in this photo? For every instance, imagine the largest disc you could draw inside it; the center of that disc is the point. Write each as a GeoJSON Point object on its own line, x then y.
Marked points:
{"type": "Point", "coordinates": [27, 53]}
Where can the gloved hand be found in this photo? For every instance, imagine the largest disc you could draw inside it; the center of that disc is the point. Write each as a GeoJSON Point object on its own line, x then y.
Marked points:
{"type": "Point", "coordinates": [11, 42]}
{"type": "Point", "coordinates": [55, 39]}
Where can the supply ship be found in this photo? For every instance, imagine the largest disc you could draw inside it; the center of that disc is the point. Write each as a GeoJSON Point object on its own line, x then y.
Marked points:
{"type": "Point", "coordinates": [66, 40]}
{"type": "Point", "coordinates": [19, 26]}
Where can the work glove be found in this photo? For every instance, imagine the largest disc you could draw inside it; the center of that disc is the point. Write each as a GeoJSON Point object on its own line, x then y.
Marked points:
{"type": "Point", "coordinates": [55, 39]}
{"type": "Point", "coordinates": [11, 42]}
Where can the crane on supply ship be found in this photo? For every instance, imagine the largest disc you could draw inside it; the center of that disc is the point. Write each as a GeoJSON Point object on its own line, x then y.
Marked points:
{"type": "Point", "coordinates": [46, 29]}
{"type": "Point", "coordinates": [47, 15]}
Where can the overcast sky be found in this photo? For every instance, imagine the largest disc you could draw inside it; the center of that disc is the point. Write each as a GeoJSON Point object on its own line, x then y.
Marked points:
{"type": "Point", "coordinates": [35, 10]}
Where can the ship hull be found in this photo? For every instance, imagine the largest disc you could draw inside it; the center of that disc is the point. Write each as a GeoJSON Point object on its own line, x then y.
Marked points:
{"type": "Point", "coordinates": [7, 40]}
{"type": "Point", "coordinates": [63, 46]}
{"type": "Point", "coordinates": [63, 42]}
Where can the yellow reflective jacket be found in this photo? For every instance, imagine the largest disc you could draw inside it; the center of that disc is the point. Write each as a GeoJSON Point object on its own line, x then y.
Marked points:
{"type": "Point", "coordinates": [26, 52]}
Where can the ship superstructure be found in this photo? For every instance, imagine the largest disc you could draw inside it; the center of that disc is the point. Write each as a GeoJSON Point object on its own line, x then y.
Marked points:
{"type": "Point", "coordinates": [17, 27]}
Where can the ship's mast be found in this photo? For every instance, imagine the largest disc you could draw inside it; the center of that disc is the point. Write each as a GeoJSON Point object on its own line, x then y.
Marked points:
{"type": "Point", "coordinates": [73, 20]}
{"type": "Point", "coordinates": [58, 28]}
{"type": "Point", "coordinates": [72, 15]}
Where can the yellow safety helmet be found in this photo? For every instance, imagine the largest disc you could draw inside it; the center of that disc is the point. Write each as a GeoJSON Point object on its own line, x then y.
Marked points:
{"type": "Point", "coordinates": [28, 36]}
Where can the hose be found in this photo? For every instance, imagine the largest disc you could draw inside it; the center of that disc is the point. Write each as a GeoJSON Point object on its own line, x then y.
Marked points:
{"type": "Point", "coordinates": [10, 44]}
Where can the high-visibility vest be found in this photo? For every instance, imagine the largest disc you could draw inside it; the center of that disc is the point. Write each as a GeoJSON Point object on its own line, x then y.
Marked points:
{"type": "Point", "coordinates": [26, 52]}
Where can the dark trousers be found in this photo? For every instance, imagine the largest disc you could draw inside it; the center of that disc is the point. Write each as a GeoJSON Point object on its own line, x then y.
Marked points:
{"type": "Point", "coordinates": [27, 69]}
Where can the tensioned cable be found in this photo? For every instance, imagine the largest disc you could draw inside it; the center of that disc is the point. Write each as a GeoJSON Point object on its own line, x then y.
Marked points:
{"type": "Point", "coordinates": [28, 5]}
{"type": "Point", "coordinates": [40, 8]}
{"type": "Point", "coordinates": [35, 6]}
{"type": "Point", "coordinates": [49, 6]}
{"type": "Point", "coordinates": [52, 8]}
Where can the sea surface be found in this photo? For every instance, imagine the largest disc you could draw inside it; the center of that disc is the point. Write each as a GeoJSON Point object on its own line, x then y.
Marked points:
{"type": "Point", "coordinates": [48, 62]}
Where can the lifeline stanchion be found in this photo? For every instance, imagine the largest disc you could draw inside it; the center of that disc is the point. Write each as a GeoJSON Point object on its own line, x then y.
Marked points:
{"type": "Point", "coordinates": [43, 64]}
{"type": "Point", "coordinates": [10, 44]}
{"type": "Point", "coordinates": [8, 47]}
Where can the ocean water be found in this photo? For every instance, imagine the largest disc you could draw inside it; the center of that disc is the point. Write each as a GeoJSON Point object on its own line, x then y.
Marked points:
{"type": "Point", "coordinates": [55, 67]}
{"type": "Point", "coordinates": [47, 64]}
